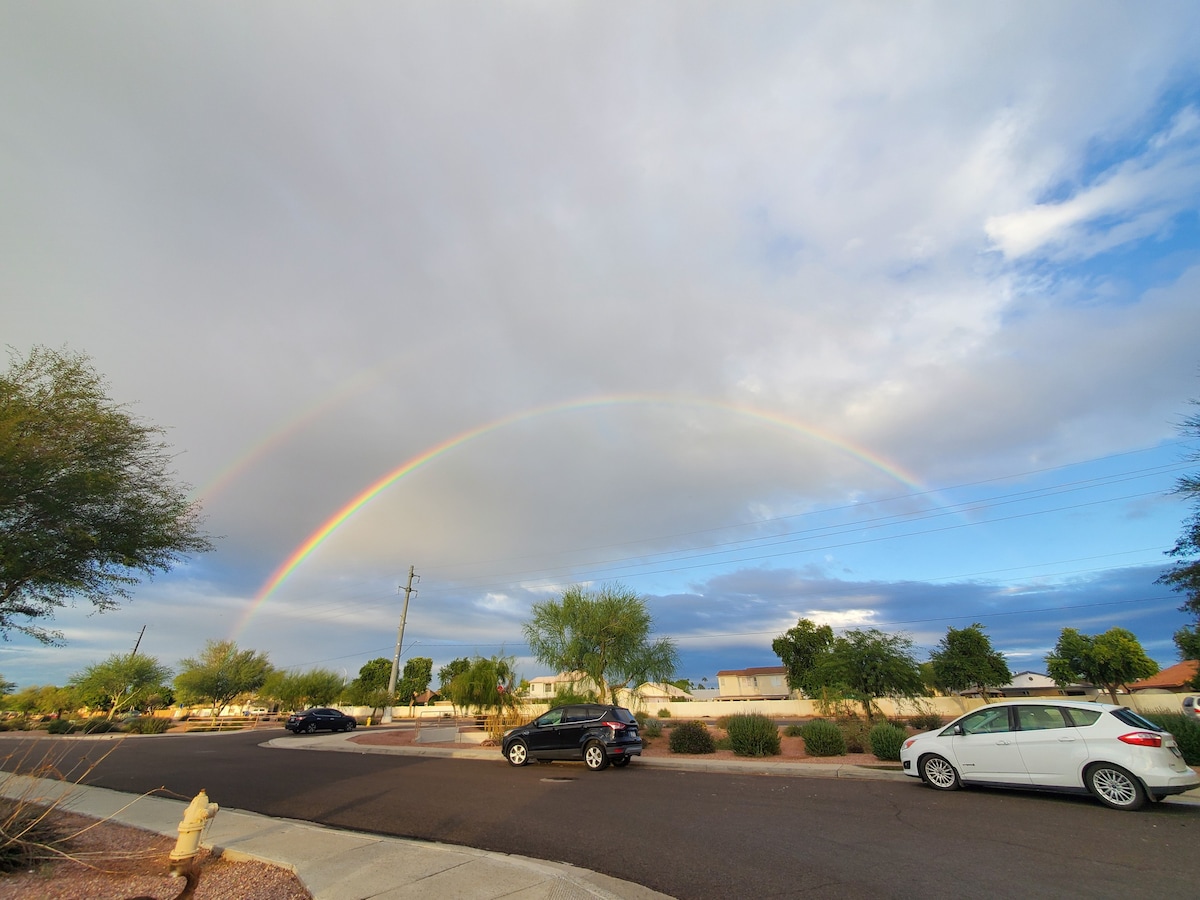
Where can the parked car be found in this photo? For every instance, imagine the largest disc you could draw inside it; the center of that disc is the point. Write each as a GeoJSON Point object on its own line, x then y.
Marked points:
{"type": "Point", "coordinates": [1191, 706]}
{"type": "Point", "coordinates": [1062, 745]}
{"type": "Point", "coordinates": [593, 732]}
{"type": "Point", "coordinates": [320, 719]}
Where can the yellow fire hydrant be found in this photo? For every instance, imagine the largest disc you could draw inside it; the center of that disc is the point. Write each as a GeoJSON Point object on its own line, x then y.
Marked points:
{"type": "Point", "coordinates": [195, 819]}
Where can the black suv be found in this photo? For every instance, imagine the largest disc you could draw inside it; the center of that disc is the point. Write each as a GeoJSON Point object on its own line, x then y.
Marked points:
{"type": "Point", "coordinates": [592, 732]}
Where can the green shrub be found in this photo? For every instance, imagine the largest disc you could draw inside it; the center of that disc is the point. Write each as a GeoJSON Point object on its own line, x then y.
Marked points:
{"type": "Point", "coordinates": [148, 725]}
{"type": "Point", "coordinates": [794, 731]}
{"type": "Point", "coordinates": [823, 738]}
{"type": "Point", "coordinates": [652, 728]}
{"type": "Point", "coordinates": [664, 714]}
{"type": "Point", "coordinates": [856, 733]}
{"type": "Point", "coordinates": [753, 734]}
{"type": "Point", "coordinates": [99, 726]}
{"type": "Point", "coordinates": [1186, 731]}
{"type": "Point", "coordinates": [60, 726]}
{"type": "Point", "coordinates": [691, 737]}
{"type": "Point", "coordinates": [886, 740]}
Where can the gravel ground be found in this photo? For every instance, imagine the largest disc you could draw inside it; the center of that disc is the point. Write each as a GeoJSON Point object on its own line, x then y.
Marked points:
{"type": "Point", "coordinates": [118, 861]}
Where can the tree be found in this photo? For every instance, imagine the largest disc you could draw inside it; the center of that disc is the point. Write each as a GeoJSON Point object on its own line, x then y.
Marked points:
{"type": "Point", "coordinates": [316, 687]}
{"type": "Point", "coordinates": [965, 659]}
{"type": "Point", "coordinates": [1184, 575]}
{"type": "Point", "coordinates": [450, 670]}
{"type": "Point", "coordinates": [418, 672]}
{"type": "Point", "coordinates": [1110, 660]}
{"type": "Point", "coordinates": [604, 634]}
{"type": "Point", "coordinates": [870, 665]}
{"type": "Point", "coordinates": [87, 501]}
{"type": "Point", "coordinates": [370, 687]}
{"type": "Point", "coordinates": [120, 682]}
{"type": "Point", "coordinates": [487, 685]}
{"type": "Point", "coordinates": [6, 687]}
{"type": "Point", "coordinates": [219, 674]}
{"type": "Point", "coordinates": [799, 649]}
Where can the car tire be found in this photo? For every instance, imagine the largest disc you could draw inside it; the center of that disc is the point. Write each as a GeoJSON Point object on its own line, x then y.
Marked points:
{"type": "Point", "coordinates": [517, 753]}
{"type": "Point", "coordinates": [622, 761]}
{"type": "Point", "coordinates": [310, 728]}
{"type": "Point", "coordinates": [350, 726]}
{"type": "Point", "coordinates": [1115, 787]}
{"type": "Point", "coordinates": [938, 773]}
{"type": "Point", "coordinates": [594, 756]}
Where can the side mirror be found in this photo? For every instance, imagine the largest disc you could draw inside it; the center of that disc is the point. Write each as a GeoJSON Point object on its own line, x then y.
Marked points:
{"type": "Point", "coordinates": [957, 730]}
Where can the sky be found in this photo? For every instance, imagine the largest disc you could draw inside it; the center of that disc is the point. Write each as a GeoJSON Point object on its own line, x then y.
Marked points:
{"type": "Point", "coordinates": [882, 315]}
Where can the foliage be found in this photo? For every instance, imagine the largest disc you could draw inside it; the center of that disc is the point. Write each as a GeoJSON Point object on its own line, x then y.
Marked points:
{"type": "Point", "coordinates": [219, 674]}
{"type": "Point", "coordinates": [926, 721]}
{"type": "Point", "coordinates": [856, 733]}
{"type": "Point", "coordinates": [99, 726]}
{"type": "Point", "coordinates": [450, 671]}
{"type": "Point", "coordinates": [886, 741]}
{"type": "Point", "coordinates": [753, 734]}
{"type": "Point", "coordinates": [316, 687]}
{"type": "Point", "coordinates": [651, 728]}
{"type": "Point", "coordinates": [148, 725]}
{"type": "Point", "coordinates": [604, 634]}
{"type": "Point", "coordinates": [568, 694]}
{"type": "Point", "coordinates": [800, 648]}
{"type": "Point", "coordinates": [823, 738]}
{"type": "Point", "coordinates": [1109, 660]}
{"type": "Point", "coordinates": [965, 660]}
{"type": "Point", "coordinates": [60, 726]}
{"type": "Point", "coordinates": [370, 687]}
{"type": "Point", "coordinates": [794, 730]}
{"type": "Point", "coordinates": [120, 682]}
{"type": "Point", "coordinates": [44, 699]}
{"type": "Point", "coordinates": [870, 664]}
{"type": "Point", "coordinates": [691, 737]}
{"type": "Point", "coordinates": [1184, 575]}
{"type": "Point", "coordinates": [1186, 730]}
{"type": "Point", "coordinates": [664, 713]}
{"type": "Point", "coordinates": [88, 500]}
{"type": "Point", "coordinates": [832, 702]}
{"type": "Point", "coordinates": [414, 680]}
{"type": "Point", "coordinates": [487, 685]}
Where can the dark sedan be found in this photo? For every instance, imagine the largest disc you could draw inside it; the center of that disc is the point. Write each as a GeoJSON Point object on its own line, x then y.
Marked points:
{"type": "Point", "coordinates": [595, 733]}
{"type": "Point", "coordinates": [320, 719]}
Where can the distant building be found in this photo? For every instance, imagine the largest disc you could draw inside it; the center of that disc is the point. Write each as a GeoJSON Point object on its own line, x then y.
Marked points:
{"type": "Point", "coordinates": [1035, 684]}
{"type": "Point", "coordinates": [761, 683]}
{"type": "Point", "coordinates": [1173, 679]}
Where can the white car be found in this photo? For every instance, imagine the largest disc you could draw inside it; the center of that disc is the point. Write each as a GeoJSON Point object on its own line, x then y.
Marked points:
{"type": "Point", "coordinates": [1061, 745]}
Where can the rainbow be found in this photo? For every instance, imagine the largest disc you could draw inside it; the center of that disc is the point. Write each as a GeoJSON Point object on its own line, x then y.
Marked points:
{"type": "Point", "coordinates": [372, 490]}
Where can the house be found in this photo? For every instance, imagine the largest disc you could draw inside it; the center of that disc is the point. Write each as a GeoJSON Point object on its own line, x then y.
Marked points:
{"type": "Point", "coordinates": [761, 683]}
{"type": "Point", "coordinates": [547, 687]}
{"type": "Point", "coordinates": [1035, 684]}
{"type": "Point", "coordinates": [655, 692]}
{"type": "Point", "coordinates": [1173, 679]}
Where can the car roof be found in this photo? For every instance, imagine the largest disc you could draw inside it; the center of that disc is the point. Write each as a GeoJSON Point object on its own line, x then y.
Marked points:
{"type": "Point", "coordinates": [1052, 701]}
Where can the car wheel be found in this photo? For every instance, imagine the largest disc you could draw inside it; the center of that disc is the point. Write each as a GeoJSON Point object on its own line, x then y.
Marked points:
{"type": "Point", "coordinates": [594, 756]}
{"type": "Point", "coordinates": [1115, 787]}
{"type": "Point", "coordinates": [350, 726]}
{"type": "Point", "coordinates": [518, 753]}
{"type": "Point", "coordinates": [623, 761]}
{"type": "Point", "coordinates": [311, 728]}
{"type": "Point", "coordinates": [937, 772]}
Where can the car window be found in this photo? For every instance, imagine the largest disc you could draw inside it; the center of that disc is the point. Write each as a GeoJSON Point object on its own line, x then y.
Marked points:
{"type": "Point", "coordinates": [551, 718]}
{"type": "Point", "coordinates": [1129, 717]}
{"type": "Point", "coordinates": [624, 715]}
{"type": "Point", "coordinates": [986, 721]}
{"type": "Point", "coordinates": [1084, 717]}
{"type": "Point", "coordinates": [1040, 718]}
{"type": "Point", "coordinates": [575, 714]}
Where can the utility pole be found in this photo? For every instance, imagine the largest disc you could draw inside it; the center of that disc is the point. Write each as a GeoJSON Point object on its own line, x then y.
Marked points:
{"type": "Point", "coordinates": [139, 642]}
{"type": "Point", "coordinates": [387, 711]}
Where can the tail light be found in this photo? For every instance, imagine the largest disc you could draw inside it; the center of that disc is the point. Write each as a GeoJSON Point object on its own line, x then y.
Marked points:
{"type": "Point", "coordinates": [1142, 738]}
{"type": "Point", "coordinates": [616, 726]}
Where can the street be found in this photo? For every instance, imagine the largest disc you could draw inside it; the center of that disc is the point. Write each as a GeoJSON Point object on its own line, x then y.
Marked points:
{"type": "Point", "coordinates": [687, 834]}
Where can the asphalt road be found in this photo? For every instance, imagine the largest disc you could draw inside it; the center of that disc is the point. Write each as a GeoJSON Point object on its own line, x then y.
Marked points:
{"type": "Point", "coordinates": [687, 834]}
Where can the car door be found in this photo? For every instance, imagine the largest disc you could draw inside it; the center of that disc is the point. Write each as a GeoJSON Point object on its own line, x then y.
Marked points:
{"type": "Point", "coordinates": [568, 734]}
{"type": "Point", "coordinates": [542, 737]}
{"type": "Point", "coordinates": [1053, 749]}
{"type": "Point", "coordinates": [986, 749]}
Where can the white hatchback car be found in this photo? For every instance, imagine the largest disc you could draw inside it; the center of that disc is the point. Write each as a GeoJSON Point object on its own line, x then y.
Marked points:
{"type": "Point", "coordinates": [1061, 745]}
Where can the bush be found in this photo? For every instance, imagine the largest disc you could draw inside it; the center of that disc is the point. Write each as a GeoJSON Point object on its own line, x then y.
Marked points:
{"type": "Point", "coordinates": [1186, 731]}
{"type": "Point", "coordinates": [99, 726]}
{"type": "Point", "coordinates": [794, 731]}
{"type": "Point", "coordinates": [886, 740]}
{"type": "Point", "coordinates": [664, 714]}
{"type": "Point", "coordinates": [823, 738]}
{"type": "Point", "coordinates": [148, 725]}
{"type": "Point", "coordinates": [652, 728]}
{"type": "Point", "coordinates": [753, 734]}
{"type": "Point", "coordinates": [691, 737]}
{"type": "Point", "coordinates": [856, 734]}
{"type": "Point", "coordinates": [926, 721]}
{"type": "Point", "coordinates": [60, 726]}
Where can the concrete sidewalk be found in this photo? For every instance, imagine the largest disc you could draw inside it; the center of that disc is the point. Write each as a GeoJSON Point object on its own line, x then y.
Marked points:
{"type": "Point", "coordinates": [342, 865]}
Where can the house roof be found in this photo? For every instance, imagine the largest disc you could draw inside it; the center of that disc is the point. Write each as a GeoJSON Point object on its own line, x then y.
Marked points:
{"type": "Point", "coordinates": [1176, 676]}
{"type": "Point", "coordinates": [760, 670]}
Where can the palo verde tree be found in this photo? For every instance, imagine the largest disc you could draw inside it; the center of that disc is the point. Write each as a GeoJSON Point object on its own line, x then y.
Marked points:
{"type": "Point", "coordinates": [605, 634]}
{"type": "Point", "coordinates": [800, 648]}
{"type": "Point", "coordinates": [1184, 575]}
{"type": "Point", "coordinates": [121, 682]}
{"type": "Point", "coordinates": [87, 499]}
{"type": "Point", "coordinates": [1110, 660]}
{"type": "Point", "coordinates": [220, 674]}
{"type": "Point", "coordinates": [965, 660]}
{"type": "Point", "coordinates": [869, 665]}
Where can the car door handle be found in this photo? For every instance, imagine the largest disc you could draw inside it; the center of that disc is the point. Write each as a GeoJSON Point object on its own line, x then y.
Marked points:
{"type": "Point", "coordinates": [1002, 743]}
{"type": "Point", "coordinates": [1066, 740]}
